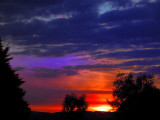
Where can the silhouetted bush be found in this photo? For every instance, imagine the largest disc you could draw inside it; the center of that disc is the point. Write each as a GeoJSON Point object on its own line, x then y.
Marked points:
{"type": "Point", "coordinates": [74, 103]}
{"type": "Point", "coordinates": [12, 95]}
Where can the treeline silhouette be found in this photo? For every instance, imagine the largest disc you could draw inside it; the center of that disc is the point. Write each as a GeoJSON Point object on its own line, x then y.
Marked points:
{"type": "Point", "coordinates": [14, 106]}
{"type": "Point", "coordinates": [135, 97]}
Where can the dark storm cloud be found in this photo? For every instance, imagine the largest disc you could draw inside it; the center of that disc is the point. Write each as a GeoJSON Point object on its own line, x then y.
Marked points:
{"type": "Point", "coordinates": [26, 9]}
{"type": "Point", "coordinates": [120, 15]}
{"type": "Point", "coordinates": [148, 11]}
{"type": "Point", "coordinates": [70, 70]}
{"type": "Point", "coordinates": [48, 72]}
{"type": "Point", "coordinates": [150, 53]}
{"type": "Point", "coordinates": [133, 23]}
{"type": "Point", "coordinates": [31, 22]}
{"type": "Point", "coordinates": [144, 62]}
{"type": "Point", "coordinates": [130, 65]}
{"type": "Point", "coordinates": [63, 49]}
{"type": "Point", "coordinates": [154, 70]}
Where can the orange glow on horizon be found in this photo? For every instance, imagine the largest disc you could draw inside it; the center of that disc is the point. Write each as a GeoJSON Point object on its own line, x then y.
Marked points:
{"type": "Point", "coordinates": [97, 102]}
{"type": "Point", "coordinates": [46, 108]}
{"type": "Point", "coordinates": [102, 108]}
{"type": "Point", "coordinates": [58, 108]}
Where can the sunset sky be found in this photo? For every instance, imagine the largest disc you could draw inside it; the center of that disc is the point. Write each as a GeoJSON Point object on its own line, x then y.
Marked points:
{"type": "Point", "coordinates": [78, 46]}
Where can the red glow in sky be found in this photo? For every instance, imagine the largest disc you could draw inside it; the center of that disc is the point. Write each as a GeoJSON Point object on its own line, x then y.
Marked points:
{"type": "Point", "coordinates": [97, 102]}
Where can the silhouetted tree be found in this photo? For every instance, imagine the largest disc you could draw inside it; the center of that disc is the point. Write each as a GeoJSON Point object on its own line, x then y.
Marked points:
{"type": "Point", "coordinates": [74, 103]}
{"type": "Point", "coordinates": [135, 94]}
{"type": "Point", "coordinates": [69, 103]}
{"type": "Point", "coordinates": [12, 95]}
{"type": "Point", "coordinates": [82, 105]}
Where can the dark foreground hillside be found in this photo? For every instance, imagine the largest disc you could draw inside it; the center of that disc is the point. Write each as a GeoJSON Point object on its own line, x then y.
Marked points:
{"type": "Point", "coordinates": [92, 116]}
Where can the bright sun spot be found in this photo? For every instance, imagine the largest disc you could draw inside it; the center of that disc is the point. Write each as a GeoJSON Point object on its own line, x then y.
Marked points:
{"type": "Point", "coordinates": [103, 108]}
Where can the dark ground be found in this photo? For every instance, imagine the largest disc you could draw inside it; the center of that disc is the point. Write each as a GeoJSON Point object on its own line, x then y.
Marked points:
{"type": "Point", "coordinates": [71, 116]}
{"type": "Point", "coordinates": [92, 116]}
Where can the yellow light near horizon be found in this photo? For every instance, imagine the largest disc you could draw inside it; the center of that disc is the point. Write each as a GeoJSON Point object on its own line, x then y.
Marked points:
{"type": "Point", "coordinates": [103, 108]}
